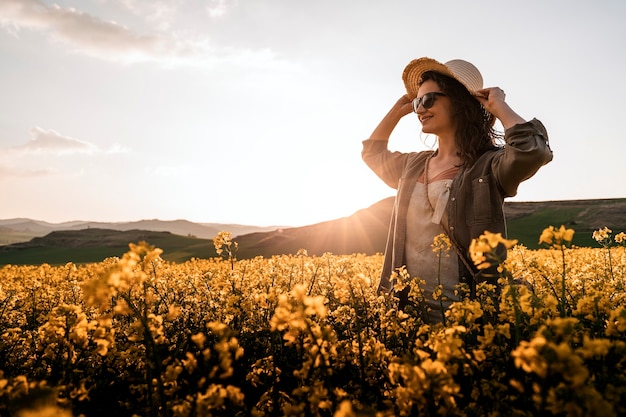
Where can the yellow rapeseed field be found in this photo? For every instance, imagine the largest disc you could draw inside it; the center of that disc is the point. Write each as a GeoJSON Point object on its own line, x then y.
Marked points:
{"type": "Point", "coordinates": [309, 336]}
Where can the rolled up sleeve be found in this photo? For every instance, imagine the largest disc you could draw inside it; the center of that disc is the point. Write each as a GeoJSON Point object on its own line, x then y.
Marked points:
{"type": "Point", "coordinates": [526, 150]}
{"type": "Point", "coordinates": [386, 164]}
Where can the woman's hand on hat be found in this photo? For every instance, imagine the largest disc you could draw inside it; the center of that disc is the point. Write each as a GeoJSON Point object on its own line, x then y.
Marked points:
{"type": "Point", "coordinates": [492, 99]}
{"type": "Point", "coordinates": [404, 105]}
{"type": "Point", "coordinates": [400, 108]}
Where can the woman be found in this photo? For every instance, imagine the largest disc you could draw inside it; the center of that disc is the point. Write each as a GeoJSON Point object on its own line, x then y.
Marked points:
{"type": "Point", "coordinates": [459, 188]}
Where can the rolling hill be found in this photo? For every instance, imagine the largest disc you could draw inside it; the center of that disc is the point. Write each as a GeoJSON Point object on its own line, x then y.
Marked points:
{"type": "Point", "coordinates": [363, 232]}
{"type": "Point", "coordinates": [22, 230]}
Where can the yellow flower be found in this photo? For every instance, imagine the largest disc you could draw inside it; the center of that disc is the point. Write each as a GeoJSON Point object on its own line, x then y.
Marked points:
{"type": "Point", "coordinates": [527, 356]}
{"type": "Point", "coordinates": [602, 234]}
{"type": "Point", "coordinates": [594, 347]}
{"type": "Point", "coordinates": [102, 346]}
{"type": "Point", "coordinates": [483, 250]}
{"type": "Point", "coordinates": [173, 312]}
{"type": "Point", "coordinates": [190, 362]}
{"type": "Point", "coordinates": [315, 306]}
{"type": "Point", "coordinates": [477, 249]}
{"type": "Point", "coordinates": [556, 238]}
{"type": "Point", "coordinates": [488, 335]}
{"type": "Point", "coordinates": [224, 245]}
{"type": "Point", "coordinates": [172, 371]}
{"type": "Point", "coordinates": [441, 243]}
{"type": "Point", "coordinates": [563, 234]}
{"type": "Point", "coordinates": [345, 410]}
{"type": "Point", "coordinates": [479, 355]}
{"type": "Point", "coordinates": [617, 322]}
{"type": "Point", "coordinates": [547, 236]}
{"type": "Point", "coordinates": [199, 339]}
{"type": "Point", "coordinates": [495, 239]}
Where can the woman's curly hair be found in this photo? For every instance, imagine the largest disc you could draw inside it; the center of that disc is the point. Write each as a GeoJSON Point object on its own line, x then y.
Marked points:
{"type": "Point", "coordinates": [474, 125]}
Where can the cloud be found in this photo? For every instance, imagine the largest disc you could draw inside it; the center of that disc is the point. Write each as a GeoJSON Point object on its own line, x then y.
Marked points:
{"type": "Point", "coordinates": [37, 157]}
{"type": "Point", "coordinates": [159, 12]}
{"type": "Point", "coordinates": [218, 8]}
{"type": "Point", "coordinates": [116, 148]}
{"type": "Point", "coordinates": [89, 35]}
{"type": "Point", "coordinates": [7, 171]}
{"type": "Point", "coordinates": [163, 12]}
{"type": "Point", "coordinates": [50, 141]}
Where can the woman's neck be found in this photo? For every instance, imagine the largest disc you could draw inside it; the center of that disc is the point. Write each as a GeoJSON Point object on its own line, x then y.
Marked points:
{"type": "Point", "coordinates": [447, 149]}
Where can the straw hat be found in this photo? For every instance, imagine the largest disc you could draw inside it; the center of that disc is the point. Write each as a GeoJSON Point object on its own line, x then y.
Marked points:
{"type": "Point", "coordinates": [462, 71]}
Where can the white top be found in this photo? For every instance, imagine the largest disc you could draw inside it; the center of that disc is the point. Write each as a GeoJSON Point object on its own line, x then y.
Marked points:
{"type": "Point", "coordinates": [423, 224]}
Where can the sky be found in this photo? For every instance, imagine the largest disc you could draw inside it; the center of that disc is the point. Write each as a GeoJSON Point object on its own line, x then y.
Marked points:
{"type": "Point", "coordinates": [253, 111]}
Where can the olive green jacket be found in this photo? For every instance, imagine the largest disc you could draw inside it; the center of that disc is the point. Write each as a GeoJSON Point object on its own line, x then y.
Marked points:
{"type": "Point", "coordinates": [477, 194]}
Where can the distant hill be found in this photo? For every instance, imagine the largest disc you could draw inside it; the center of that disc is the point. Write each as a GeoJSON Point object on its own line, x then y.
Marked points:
{"type": "Point", "coordinates": [23, 230]}
{"type": "Point", "coordinates": [363, 232]}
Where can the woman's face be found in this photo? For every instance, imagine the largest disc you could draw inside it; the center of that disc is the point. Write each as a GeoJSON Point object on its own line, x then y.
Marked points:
{"type": "Point", "coordinates": [436, 120]}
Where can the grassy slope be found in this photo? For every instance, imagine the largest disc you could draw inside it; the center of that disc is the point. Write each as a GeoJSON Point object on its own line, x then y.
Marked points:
{"type": "Point", "coordinates": [527, 220]}
{"type": "Point", "coordinates": [528, 229]}
{"type": "Point", "coordinates": [94, 245]}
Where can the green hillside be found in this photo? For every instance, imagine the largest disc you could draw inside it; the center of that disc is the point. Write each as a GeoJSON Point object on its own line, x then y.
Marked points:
{"type": "Point", "coordinates": [526, 221]}
{"type": "Point", "coordinates": [528, 229]}
{"type": "Point", "coordinates": [94, 245]}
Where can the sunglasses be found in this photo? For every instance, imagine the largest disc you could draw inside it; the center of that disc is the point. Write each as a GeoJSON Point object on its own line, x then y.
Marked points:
{"type": "Point", "coordinates": [427, 100]}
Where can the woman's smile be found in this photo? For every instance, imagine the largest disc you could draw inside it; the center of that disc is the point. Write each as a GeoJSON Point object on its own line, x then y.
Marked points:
{"type": "Point", "coordinates": [423, 119]}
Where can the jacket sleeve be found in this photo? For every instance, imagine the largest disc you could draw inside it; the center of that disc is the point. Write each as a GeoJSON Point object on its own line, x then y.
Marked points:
{"type": "Point", "coordinates": [526, 150]}
{"type": "Point", "coordinates": [386, 164]}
